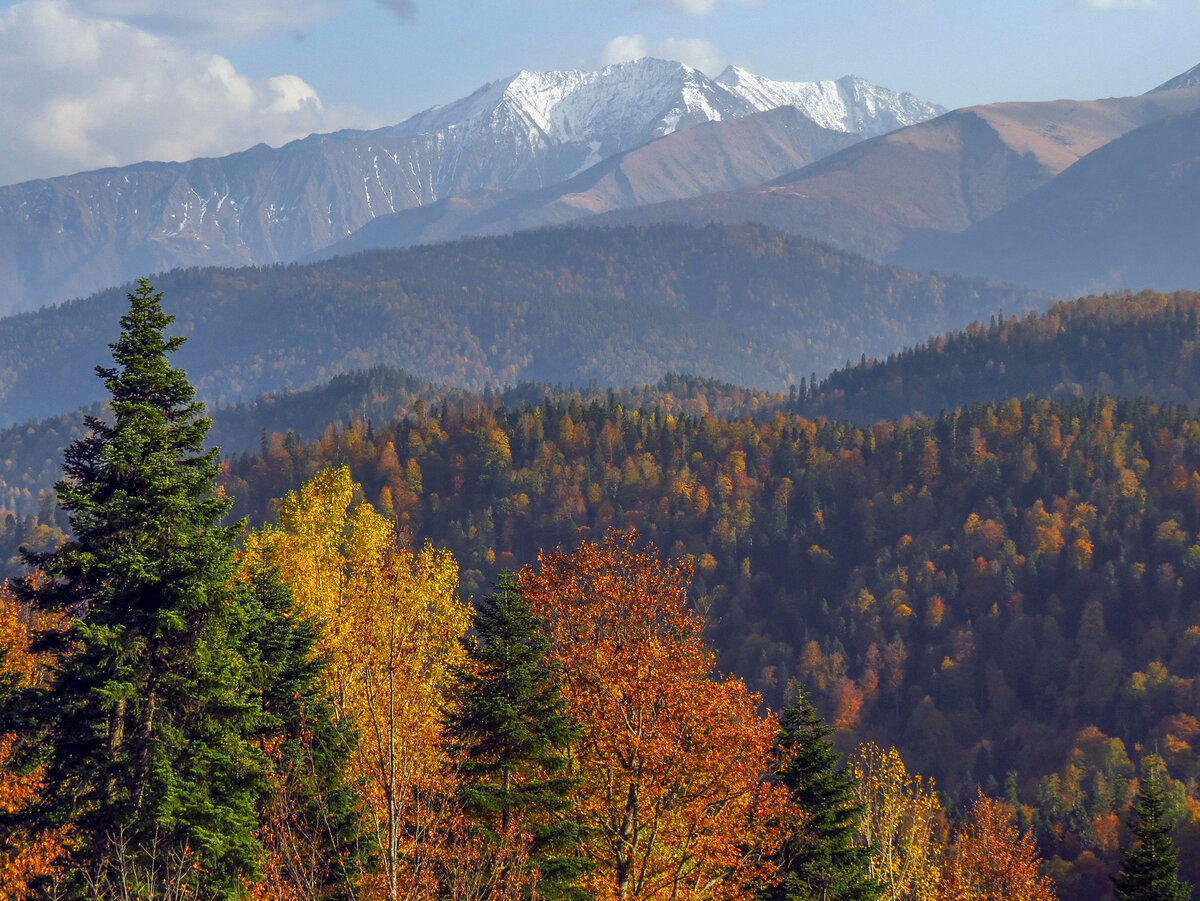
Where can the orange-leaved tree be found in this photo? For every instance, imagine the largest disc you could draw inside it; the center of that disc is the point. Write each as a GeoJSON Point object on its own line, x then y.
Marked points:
{"type": "Point", "coordinates": [390, 622]}
{"type": "Point", "coordinates": [671, 760]}
{"type": "Point", "coordinates": [26, 854]}
{"type": "Point", "coordinates": [992, 860]}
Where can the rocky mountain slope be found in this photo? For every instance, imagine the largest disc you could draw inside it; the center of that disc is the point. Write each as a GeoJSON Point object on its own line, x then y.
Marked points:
{"type": "Point", "coordinates": [70, 236]}
{"type": "Point", "coordinates": [715, 156]}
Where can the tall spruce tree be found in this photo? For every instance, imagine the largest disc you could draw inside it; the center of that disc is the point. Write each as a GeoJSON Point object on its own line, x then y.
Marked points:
{"type": "Point", "coordinates": [151, 714]}
{"type": "Point", "coordinates": [1150, 871]}
{"type": "Point", "coordinates": [819, 861]}
{"type": "Point", "coordinates": [509, 730]}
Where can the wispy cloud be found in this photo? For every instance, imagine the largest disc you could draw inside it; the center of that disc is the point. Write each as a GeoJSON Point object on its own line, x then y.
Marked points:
{"type": "Point", "coordinates": [79, 90]}
{"type": "Point", "coordinates": [401, 9]}
{"type": "Point", "coordinates": [695, 52]}
{"type": "Point", "coordinates": [1116, 4]}
{"type": "Point", "coordinates": [693, 7]}
{"type": "Point", "coordinates": [221, 20]}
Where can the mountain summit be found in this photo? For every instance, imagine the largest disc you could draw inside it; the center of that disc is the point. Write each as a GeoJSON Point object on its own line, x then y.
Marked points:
{"type": "Point", "coordinates": [70, 236]}
{"type": "Point", "coordinates": [1183, 80]}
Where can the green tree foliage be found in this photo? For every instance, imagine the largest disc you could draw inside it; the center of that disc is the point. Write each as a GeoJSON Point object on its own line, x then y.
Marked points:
{"type": "Point", "coordinates": [1150, 871]}
{"type": "Point", "coordinates": [150, 719]}
{"type": "Point", "coordinates": [510, 732]}
{"type": "Point", "coordinates": [1143, 345]}
{"type": "Point", "coordinates": [820, 860]}
{"type": "Point", "coordinates": [310, 817]}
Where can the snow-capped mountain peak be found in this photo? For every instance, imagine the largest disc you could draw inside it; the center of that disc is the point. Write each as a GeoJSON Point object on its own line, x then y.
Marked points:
{"type": "Point", "coordinates": [627, 104]}
{"type": "Point", "coordinates": [849, 104]}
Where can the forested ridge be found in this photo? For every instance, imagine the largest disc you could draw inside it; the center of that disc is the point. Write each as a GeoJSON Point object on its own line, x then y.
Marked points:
{"type": "Point", "coordinates": [1134, 345]}
{"type": "Point", "coordinates": [614, 306]}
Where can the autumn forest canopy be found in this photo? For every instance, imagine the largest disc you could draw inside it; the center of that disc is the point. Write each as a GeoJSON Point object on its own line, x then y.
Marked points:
{"type": "Point", "coordinates": [687, 641]}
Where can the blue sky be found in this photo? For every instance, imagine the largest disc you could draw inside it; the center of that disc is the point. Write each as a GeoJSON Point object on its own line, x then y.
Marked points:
{"type": "Point", "coordinates": [89, 83]}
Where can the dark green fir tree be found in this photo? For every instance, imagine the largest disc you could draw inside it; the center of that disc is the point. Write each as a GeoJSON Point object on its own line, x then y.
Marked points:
{"type": "Point", "coordinates": [509, 730]}
{"type": "Point", "coordinates": [1150, 871]}
{"type": "Point", "coordinates": [153, 720]}
{"type": "Point", "coordinates": [819, 861]}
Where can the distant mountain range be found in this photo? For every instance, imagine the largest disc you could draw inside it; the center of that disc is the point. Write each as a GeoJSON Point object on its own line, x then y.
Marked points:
{"type": "Point", "coordinates": [1127, 215]}
{"type": "Point", "coordinates": [71, 236]}
{"type": "Point", "coordinates": [713, 157]}
{"type": "Point", "coordinates": [1067, 196]}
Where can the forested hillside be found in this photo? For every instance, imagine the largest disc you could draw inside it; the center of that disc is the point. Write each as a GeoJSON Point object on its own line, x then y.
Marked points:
{"type": "Point", "coordinates": [620, 306]}
{"type": "Point", "coordinates": [1005, 593]}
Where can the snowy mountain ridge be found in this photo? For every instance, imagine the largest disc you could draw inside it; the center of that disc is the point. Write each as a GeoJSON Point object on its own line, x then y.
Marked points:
{"type": "Point", "coordinates": [850, 104]}
{"type": "Point", "coordinates": [626, 104]}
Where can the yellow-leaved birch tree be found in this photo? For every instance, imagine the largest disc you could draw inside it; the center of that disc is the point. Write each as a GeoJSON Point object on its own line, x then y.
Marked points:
{"type": "Point", "coordinates": [902, 820]}
{"type": "Point", "coordinates": [390, 622]}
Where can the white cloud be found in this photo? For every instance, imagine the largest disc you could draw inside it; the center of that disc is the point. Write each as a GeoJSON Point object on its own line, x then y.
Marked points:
{"type": "Point", "coordinates": [695, 52]}
{"type": "Point", "coordinates": [691, 7]}
{"type": "Point", "coordinates": [79, 91]}
{"type": "Point", "coordinates": [624, 47]}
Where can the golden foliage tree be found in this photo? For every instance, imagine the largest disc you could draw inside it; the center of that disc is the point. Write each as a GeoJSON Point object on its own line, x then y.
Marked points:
{"type": "Point", "coordinates": [901, 820]}
{"type": "Point", "coordinates": [391, 620]}
{"type": "Point", "coordinates": [670, 760]}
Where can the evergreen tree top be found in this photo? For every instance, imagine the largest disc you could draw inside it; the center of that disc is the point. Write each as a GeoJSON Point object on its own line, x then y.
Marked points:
{"type": "Point", "coordinates": [1151, 868]}
{"type": "Point", "coordinates": [145, 475]}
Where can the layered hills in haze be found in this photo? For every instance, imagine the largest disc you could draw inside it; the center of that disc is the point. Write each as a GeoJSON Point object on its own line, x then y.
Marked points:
{"type": "Point", "coordinates": [71, 236]}
{"type": "Point", "coordinates": [617, 306]}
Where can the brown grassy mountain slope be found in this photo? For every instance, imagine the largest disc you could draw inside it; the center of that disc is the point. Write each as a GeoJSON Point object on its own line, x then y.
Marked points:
{"type": "Point", "coordinates": [1125, 216]}
{"type": "Point", "coordinates": [942, 175]}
